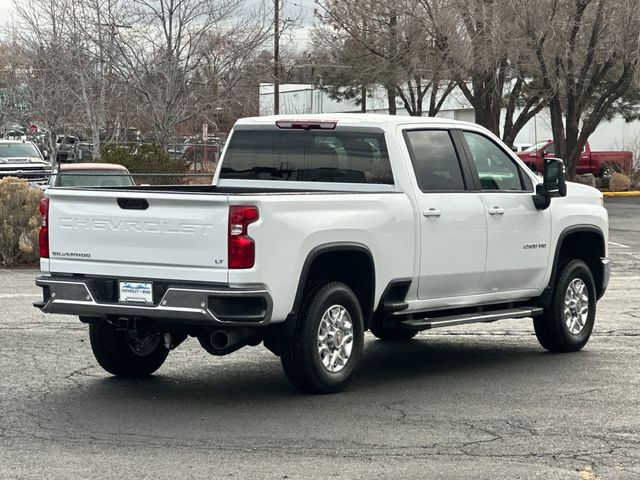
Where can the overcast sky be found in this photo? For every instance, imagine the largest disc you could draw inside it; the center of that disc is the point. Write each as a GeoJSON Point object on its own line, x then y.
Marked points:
{"type": "Point", "coordinates": [6, 7]}
{"type": "Point", "coordinates": [302, 9]}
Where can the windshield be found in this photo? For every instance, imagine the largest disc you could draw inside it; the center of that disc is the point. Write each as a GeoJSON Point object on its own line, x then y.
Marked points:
{"type": "Point", "coordinates": [14, 150]}
{"type": "Point", "coordinates": [92, 178]}
{"type": "Point", "coordinates": [534, 148]}
{"type": "Point", "coordinates": [308, 156]}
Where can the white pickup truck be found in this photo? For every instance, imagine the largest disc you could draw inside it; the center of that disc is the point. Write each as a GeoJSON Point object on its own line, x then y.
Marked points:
{"type": "Point", "coordinates": [318, 229]}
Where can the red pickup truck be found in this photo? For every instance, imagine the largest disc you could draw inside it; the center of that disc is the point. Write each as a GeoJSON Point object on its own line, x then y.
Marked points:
{"type": "Point", "coordinates": [598, 163]}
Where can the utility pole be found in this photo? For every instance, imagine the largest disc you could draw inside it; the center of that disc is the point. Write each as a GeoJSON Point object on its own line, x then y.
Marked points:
{"type": "Point", "coordinates": [276, 57]}
{"type": "Point", "coordinates": [363, 87]}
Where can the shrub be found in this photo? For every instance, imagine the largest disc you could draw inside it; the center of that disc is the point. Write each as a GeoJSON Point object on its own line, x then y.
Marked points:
{"type": "Point", "coordinates": [20, 221]}
{"type": "Point", "coordinates": [146, 160]}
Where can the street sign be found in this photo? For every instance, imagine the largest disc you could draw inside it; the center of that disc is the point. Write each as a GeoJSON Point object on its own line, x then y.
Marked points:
{"type": "Point", "coordinates": [205, 131]}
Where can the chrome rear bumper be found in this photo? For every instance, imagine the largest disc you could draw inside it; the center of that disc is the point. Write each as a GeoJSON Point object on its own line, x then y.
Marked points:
{"type": "Point", "coordinates": [199, 305]}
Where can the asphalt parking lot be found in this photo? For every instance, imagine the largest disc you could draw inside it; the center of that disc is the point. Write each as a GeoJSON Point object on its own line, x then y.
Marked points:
{"type": "Point", "coordinates": [471, 402]}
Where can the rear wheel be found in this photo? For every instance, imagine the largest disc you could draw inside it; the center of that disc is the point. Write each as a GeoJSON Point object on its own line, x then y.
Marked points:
{"type": "Point", "coordinates": [567, 324]}
{"type": "Point", "coordinates": [327, 345]}
{"type": "Point", "coordinates": [126, 353]}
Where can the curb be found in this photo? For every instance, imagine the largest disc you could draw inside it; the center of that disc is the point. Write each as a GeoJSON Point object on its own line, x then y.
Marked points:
{"type": "Point", "coordinates": [621, 194]}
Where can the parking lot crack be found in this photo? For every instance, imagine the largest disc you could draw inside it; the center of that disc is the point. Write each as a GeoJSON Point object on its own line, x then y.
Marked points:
{"type": "Point", "coordinates": [78, 371]}
{"type": "Point", "coordinates": [395, 408]}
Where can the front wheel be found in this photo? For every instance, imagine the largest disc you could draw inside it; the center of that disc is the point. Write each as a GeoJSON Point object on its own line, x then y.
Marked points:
{"type": "Point", "coordinates": [327, 345]}
{"type": "Point", "coordinates": [126, 353]}
{"type": "Point", "coordinates": [567, 324]}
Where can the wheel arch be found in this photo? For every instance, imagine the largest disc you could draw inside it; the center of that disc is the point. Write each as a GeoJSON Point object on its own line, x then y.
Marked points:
{"type": "Point", "coordinates": [583, 242]}
{"type": "Point", "coordinates": [337, 261]}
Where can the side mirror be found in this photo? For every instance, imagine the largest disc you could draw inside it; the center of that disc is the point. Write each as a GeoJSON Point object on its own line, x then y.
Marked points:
{"type": "Point", "coordinates": [553, 183]}
{"type": "Point", "coordinates": [553, 178]}
{"type": "Point", "coordinates": [45, 154]}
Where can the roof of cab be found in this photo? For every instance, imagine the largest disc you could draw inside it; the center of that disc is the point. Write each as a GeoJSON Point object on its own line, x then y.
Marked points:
{"type": "Point", "coordinates": [355, 119]}
{"type": "Point", "coordinates": [75, 167]}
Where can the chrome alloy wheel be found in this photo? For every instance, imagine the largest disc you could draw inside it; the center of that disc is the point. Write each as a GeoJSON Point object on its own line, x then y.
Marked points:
{"type": "Point", "coordinates": [335, 338]}
{"type": "Point", "coordinates": [576, 306]}
{"type": "Point", "coordinates": [144, 344]}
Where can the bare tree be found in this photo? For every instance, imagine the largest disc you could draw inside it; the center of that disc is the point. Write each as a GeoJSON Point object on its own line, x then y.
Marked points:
{"type": "Point", "coordinates": [586, 58]}
{"type": "Point", "coordinates": [476, 39]}
{"type": "Point", "coordinates": [384, 44]}
{"type": "Point", "coordinates": [70, 46]}
{"type": "Point", "coordinates": [90, 58]}
{"type": "Point", "coordinates": [173, 57]}
{"type": "Point", "coordinates": [14, 73]}
{"type": "Point", "coordinates": [41, 33]}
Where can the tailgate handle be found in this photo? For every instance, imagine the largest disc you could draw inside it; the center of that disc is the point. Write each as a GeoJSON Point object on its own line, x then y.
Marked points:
{"type": "Point", "coordinates": [133, 203]}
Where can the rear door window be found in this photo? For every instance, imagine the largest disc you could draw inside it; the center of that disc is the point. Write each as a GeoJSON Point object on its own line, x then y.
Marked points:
{"type": "Point", "coordinates": [307, 156]}
{"type": "Point", "coordinates": [435, 160]}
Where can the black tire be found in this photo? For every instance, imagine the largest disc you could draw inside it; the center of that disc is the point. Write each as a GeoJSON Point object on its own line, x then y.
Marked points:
{"type": "Point", "coordinates": [114, 351]}
{"type": "Point", "coordinates": [605, 172]}
{"type": "Point", "coordinates": [551, 329]}
{"type": "Point", "coordinates": [300, 354]}
{"type": "Point", "coordinates": [392, 334]}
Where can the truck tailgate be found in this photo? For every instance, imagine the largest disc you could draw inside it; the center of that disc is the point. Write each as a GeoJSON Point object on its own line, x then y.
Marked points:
{"type": "Point", "coordinates": [139, 234]}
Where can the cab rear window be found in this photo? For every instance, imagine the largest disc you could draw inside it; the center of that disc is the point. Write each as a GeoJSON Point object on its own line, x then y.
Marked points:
{"type": "Point", "coordinates": [96, 178]}
{"type": "Point", "coordinates": [307, 156]}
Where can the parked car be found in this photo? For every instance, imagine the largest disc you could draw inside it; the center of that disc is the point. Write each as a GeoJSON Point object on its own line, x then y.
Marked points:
{"type": "Point", "coordinates": [315, 230]}
{"type": "Point", "coordinates": [80, 152]}
{"type": "Point", "coordinates": [23, 159]}
{"type": "Point", "coordinates": [64, 144]}
{"type": "Point", "coordinates": [15, 135]}
{"type": "Point", "coordinates": [193, 153]}
{"type": "Point", "coordinates": [599, 163]}
{"type": "Point", "coordinates": [90, 175]}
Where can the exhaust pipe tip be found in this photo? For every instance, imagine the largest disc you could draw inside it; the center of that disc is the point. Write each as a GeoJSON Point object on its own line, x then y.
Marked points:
{"type": "Point", "coordinates": [219, 340]}
{"type": "Point", "coordinates": [227, 340]}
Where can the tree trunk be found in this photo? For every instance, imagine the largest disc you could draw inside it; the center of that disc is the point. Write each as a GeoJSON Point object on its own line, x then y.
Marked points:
{"type": "Point", "coordinates": [486, 103]}
{"type": "Point", "coordinates": [391, 70]}
{"type": "Point", "coordinates": [363, 98]}
{"type": "Point", "coordinates": [488, 116]}
{"type": "Point", "coordinates": [391, 98]}
{"type": "Point", "coordinates": [95, 137]}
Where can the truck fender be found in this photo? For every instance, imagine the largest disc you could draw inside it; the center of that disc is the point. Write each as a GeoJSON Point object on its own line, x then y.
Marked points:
{"type": "Point", "coordinates": [547, 294]}
{"type": "Point", "coordinates": [316, 252]}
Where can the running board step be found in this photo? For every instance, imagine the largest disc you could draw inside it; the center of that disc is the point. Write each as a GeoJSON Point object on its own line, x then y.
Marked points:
{"type": "Point", "coordinates": [477, 317]}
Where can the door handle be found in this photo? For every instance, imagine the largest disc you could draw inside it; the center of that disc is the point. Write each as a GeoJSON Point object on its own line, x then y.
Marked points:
{"type": "Point", "coordinates": [496, 211]}
{"type": "Point", "coordinates": [432, 212]}
{"type": "Point", "coordinates": [133, 203]}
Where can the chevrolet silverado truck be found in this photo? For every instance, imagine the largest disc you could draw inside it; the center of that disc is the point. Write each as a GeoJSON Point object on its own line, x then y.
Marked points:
{"type": "Point", "coordinates": [316, 230]}
{"type": "Point", "coordinates": [22, 159]}
{"type": "Point", "coordinates": [600, 164]}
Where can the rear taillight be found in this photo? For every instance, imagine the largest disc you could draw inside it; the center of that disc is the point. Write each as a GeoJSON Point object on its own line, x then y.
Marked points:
{"type": "Point", "coordinates": [43, 236]}
{"type": "Point", "coordinates": [242, 249]}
